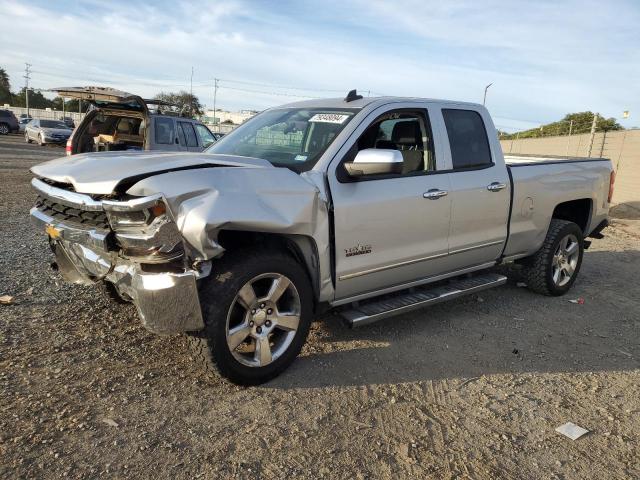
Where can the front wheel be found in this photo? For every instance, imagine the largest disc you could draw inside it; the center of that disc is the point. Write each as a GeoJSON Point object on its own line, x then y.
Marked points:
{"type": "Point", "coordinates": [4, 129]}
{"type": "Point", "coordinates": [554, 268]}
{"type": "Point", "coordinates": [40, 140]}
{"type": "Point", "coordinates": [257, 309]}
{"type": "Point", "coordinates": [26, 137]}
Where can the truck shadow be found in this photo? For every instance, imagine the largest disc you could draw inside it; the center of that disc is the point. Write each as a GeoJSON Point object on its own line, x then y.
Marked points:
{"type": "Point", "coordinates": [507, 330]}
{"type": "Point", "coordinates": [627, 211]}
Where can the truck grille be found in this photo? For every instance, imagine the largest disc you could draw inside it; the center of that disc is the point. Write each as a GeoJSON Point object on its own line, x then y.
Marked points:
{"type": "Point", "coordinates": [70, 215]}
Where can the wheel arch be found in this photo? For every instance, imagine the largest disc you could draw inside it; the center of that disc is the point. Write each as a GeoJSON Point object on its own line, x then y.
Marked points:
{"type": "Point", "coordinates": [578, 211]}
{"type": "Point", "coordinates": [302, 248]}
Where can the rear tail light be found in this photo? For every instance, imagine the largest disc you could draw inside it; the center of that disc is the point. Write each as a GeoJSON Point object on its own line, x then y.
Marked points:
{"type": "Point", "coordinates": [612, 181]}
{"type": "Point", "coordinates": [68, 147]}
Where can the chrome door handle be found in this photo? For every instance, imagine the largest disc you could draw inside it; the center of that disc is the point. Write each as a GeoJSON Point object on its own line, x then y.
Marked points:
{"type": "Point", "coordinates": [435, 194]}
{"type": "Point", "coordinates": [496, 186]}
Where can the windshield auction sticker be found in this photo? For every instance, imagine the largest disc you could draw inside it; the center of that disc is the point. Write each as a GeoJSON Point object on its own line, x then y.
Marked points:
{"type": "Point", "coordinates": [329, 118]}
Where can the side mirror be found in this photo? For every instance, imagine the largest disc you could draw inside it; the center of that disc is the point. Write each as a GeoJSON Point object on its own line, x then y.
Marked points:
{"type": "Point", "coordinates": [374, 161]}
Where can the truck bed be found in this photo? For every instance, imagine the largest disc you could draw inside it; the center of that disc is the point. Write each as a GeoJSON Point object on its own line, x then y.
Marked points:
{"type": "Point", "coordinates": [536, 159]}
{"type": "Point", "coordinates": [536, 192]}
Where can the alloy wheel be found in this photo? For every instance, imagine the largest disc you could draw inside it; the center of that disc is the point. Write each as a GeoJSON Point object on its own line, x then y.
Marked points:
{"type": "Point", "coordinates": [565, 260]}
{"type": "Point", "coordinates": [263, 319]}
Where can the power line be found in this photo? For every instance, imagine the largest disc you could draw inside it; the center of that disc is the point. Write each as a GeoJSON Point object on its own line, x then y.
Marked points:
{"type": "Point", "coordinates": [277, 94]}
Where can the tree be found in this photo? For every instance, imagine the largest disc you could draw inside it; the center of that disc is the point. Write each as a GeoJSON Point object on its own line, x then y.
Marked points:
{"type": "Point", "coordinates": [36, 99]}
{"type": "Point", "coordinates": [70, 105]}
{"type": "Point", "coordinates": [185, 103]}
{"type": "Point", "coordinates": [5, 87]}
{"type": "Point", "coordinates": [580, 122]}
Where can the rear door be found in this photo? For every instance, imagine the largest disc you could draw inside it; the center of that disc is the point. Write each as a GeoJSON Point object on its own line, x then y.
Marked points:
{"type": "Point", "coordinates": [480, 189]}
{"type": "Point", "coordinates": [31, 129]}
{"type": "Point", "coordinates": [165, 134]}
{"type": "Point", "coordinates": [187, 134]}
{"type": "Point", "coordinates": [388, 231]}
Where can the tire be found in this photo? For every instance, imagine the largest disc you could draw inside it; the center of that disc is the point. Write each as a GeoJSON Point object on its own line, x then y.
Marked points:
{"type": "Point", "coordinates": [4, 129]}
{"type": "Point", "coordinates": [26, 138]}
{"type": "Point", "coordinates": [553, 270]}
{"type": "Point", "coordinates": [227, 307]}
{"type": "Point", "coordinates": [40, 140]}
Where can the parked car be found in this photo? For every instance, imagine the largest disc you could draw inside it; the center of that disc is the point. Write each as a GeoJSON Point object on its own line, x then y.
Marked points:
{"type": "Point", "coordinates": [8, 122]}
{"type": "Point", "coordinates": [46, 131]}
{"type": "Point", "coordinates": [372, 207]}
{"type": "Point", "coordinates": [22, 123]}
{"type": "Point", "coordinates": [122, 121]}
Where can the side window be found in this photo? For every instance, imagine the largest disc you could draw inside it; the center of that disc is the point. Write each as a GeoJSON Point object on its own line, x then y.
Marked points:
{"type": "Point", "coordinates": [409, 132]}
{"type": "Point", "coordinates": [206, 137]}
{"type": "Point", "coordinates": [165, 133]}
{"type": "Point", "coordinates": [189, 134]}
{"type": "Point", "coordinates": [181, 139]}
{"type": "Point", "coordinates": [467, 138]}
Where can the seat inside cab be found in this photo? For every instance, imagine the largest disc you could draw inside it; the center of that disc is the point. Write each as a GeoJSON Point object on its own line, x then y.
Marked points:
{"type": "Point", "coordinates": [407, 132]}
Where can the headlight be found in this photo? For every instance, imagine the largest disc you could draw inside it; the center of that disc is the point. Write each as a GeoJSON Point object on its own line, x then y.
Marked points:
{"type": "Point", "coordinates": [124, 220]}
{"type": "Point", "coordinates": [145, 230]}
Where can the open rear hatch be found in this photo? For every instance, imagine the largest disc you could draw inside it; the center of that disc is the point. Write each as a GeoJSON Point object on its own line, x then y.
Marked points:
{"type": "Point", "coordinates": [104, 97]}
{"type": "Point", "coordinates": [117, 120]}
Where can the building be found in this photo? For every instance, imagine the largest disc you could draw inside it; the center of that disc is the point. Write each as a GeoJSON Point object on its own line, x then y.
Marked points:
{"type": "Point", "coordinates": [224, 116]}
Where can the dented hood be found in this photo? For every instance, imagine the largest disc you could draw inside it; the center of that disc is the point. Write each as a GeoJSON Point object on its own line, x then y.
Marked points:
{"type": "Point", "coordinates": [101, 173]}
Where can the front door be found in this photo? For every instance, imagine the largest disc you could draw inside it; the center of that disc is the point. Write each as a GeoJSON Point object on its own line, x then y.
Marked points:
{"type": "Point", "coordinates": [391, 230]}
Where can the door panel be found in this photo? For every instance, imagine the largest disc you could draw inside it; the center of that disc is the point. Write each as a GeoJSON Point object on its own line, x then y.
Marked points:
{"type": "Point", "coordinates": [388, 233]}
{"type": "Point", "coordinates": [479, 216]}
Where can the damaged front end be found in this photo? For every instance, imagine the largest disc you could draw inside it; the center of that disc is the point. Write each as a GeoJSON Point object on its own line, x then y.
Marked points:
{"type": "Point", "coordinates": [135, 244]}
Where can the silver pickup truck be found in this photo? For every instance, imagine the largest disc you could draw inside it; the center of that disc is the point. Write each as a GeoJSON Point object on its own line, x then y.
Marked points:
{"type": "Point", "coordinates": [369, 206]}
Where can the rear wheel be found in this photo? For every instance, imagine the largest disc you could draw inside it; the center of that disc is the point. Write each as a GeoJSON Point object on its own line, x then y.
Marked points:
{"type": "Point", "coordinates": [26, 138]}
{"type": "Point", "coordinates": [4, 129]}
{"type": "Point", "coordinates": [554, 268]}
{"type": "Point", "coordinates": [40, 139]}
{"type": "Point", "coordinates": [257, 310]}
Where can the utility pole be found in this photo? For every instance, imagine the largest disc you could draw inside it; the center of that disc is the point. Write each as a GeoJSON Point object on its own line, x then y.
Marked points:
{"type": "Point", "coordinates": [484, 100]}
{"type": "Point", "coordinates": [215, 96]}
{"type": "Point", "coordinates": [569, 137]}
{"type": "Point", "coordinates": [593, 133]}
{"type": "Point", "coordinates": [27, 77]}
{"type": "Point", "coordinates": [191, 95]}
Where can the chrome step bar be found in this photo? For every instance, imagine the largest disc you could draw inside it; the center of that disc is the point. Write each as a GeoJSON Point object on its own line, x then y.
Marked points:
{"type": "Point", "coordinates": [365, 312]}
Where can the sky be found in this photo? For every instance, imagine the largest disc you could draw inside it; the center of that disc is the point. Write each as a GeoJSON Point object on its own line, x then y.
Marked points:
{"type": "Point", "coordinates": [544, 58]}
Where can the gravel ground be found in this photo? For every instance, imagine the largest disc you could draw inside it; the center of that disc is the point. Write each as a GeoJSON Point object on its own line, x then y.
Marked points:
{"type": "Point", "coordinates": [469, 389]}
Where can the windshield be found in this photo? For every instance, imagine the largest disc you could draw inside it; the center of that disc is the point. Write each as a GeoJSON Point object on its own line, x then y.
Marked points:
{"type": "Point", "coordinates": [293, 137]}
{"type": "Point", "coordinates": [52, 124]}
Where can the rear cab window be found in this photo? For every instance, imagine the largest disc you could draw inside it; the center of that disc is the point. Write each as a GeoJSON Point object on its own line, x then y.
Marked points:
{"type": "Point", "coordinates": [467, 139]}
{"type": "Point", "coordinates": [164, 130]}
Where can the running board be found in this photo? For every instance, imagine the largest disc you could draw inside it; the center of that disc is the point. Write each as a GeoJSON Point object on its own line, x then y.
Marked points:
{"type": "Point", "coordinates": [369, 311]}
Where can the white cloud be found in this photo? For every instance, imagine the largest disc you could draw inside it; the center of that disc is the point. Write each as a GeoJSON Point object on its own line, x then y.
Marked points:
{"type": "Point", "coordinates": [544, 59]}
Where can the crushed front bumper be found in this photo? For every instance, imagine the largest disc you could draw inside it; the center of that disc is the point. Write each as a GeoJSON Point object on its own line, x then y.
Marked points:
{"type": "Point", "coordinates": [167, 301]}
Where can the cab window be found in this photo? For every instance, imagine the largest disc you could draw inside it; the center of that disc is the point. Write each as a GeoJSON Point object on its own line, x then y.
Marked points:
{"type": "Point", "coordinates": [467, 139]}
{"type": "Point", "coordinates": [164, 128]}
{"type": "Point", "coordinates": [206, 137]}
{"type": "Point", "coordinates": [409, 132]}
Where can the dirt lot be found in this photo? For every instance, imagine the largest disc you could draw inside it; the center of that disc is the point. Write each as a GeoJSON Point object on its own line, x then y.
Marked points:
{"type": "Point", "coordinates": [469, 389]}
